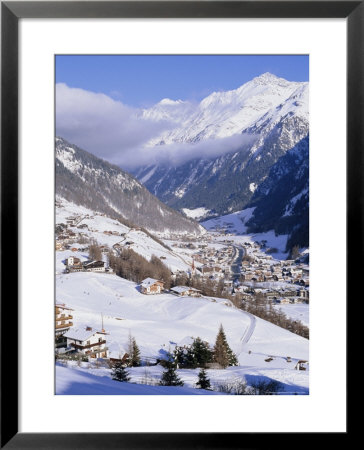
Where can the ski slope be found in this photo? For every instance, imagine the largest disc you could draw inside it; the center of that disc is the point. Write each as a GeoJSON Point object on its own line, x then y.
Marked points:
{"type": "Point", "coordinates": [159, 322]}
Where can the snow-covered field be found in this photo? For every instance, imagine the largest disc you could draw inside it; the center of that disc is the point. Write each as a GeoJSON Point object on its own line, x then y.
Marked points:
{"type": "Point", "coordinates": [74, 381]}
{"type": "Point", "coordinates": [296, 312]}
{"type": "Point", "coordinates": [159, 322]}
{"type": "Point", "coordinates": [197, 213]}
{"type": "Point", "coordinates": [235, 224]}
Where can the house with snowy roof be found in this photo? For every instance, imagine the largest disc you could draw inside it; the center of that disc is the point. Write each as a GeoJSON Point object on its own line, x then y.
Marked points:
{"type": "Point", "coordinates": [63, 319]}
{"type": "Point", "coordinates": [185, 291]}
{"type": "Point", "coordinates": [73, 261]}
{"type": "Point", "coordinates": [87, 341]}
{"type": "Point", "coordinates": [94, 266]}
{"type": "Point", "coordinates": [151, 286]}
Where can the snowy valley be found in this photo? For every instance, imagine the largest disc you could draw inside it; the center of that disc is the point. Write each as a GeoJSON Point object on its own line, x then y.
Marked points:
{"type": "Point", "coordinates": [162, 322]}
{"type": "Point", "coordinates": [186, 270]}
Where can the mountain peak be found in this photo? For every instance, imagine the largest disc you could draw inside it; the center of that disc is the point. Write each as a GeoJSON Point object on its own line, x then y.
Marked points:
{"type": "Point", "coordinates": [268, 78]}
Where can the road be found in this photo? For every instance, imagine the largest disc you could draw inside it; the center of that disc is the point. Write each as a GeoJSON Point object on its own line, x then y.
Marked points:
{"type": "Point", "coordinates": [249, 331]}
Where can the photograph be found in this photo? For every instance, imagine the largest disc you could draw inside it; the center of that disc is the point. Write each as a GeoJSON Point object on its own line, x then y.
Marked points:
{"type": "Point", "coordinates": [181, 224]}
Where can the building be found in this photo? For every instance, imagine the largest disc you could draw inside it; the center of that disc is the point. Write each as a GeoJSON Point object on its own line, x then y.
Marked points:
{"type": "Point", "coordinates": [301, 365]}
{"type": "Point", "coordinates": [185, 291]}
{"type": "Point", "coordinates": [94, 266]}
{"type": "Point", "coordinates": [151, 286]}
{"type": "Point", "coordinates": [87, 341]}
{"type": "Point", "coordinates": [59, 246]}
{"type": "Point", "coordinates": [73, 261]}
{"type": "Point", "coordinates": [62, 319]}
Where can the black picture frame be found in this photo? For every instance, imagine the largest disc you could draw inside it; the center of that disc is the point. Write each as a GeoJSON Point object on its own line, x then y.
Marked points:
{"type": "Point", "coordinates": [11, 12]}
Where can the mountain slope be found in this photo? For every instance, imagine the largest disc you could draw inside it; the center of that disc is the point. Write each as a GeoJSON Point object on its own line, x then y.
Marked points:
{"type": "Point", "coordinates": [271, 110]}
{"type": "Point", "coordinates": [282, 201]}
{"type": "Point", "coordinates": [223, 114]}
{"type": "Point", "coordinates": [272, 114]}
{"type": "Point", "coordinates": [89, 181]}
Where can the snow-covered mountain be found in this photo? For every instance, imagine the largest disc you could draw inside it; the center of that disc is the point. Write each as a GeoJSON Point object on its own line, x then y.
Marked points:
{"type": "Point", "coordinates": [270, 112]}
{"type": "Point", "coordinates": [281, 200]}
{"type": "Point", "coordinates": [86, 180]}
{"type": "Point", "coordinates": [223, 114]}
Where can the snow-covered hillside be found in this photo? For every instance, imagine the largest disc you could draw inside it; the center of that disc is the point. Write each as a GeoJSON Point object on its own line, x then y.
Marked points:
{"type": "Point", "coordinates": [160, 322]}
{"type": "Point", "coordinates": [235, 225]}
{"type": "Point", "coordinates": [96, 226]}
{"type": "Point", "coordinates": [89, 181]}
{"type": "Point", "coordinates": [75, 381]}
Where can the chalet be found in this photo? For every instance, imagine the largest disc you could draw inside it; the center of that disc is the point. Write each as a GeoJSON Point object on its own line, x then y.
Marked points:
{"type": "Point", "coordinates": [185, 291]}
{"type": "Point", "coordinates": [87, 341]}
{"type": "Point", "coordinates": [120, 359]}
{"type": "Point", "coordinates": [62, 319]}
{"type": "Point", "coordinates": [298, 300]}
{"type": "Point", "coordinates": [73, 261]}
{"type": "Point", "coordinates": [301, 365]}
{"type": "Point", "coordinates": [151, 286]}
{"type": "Point", "coordinates": [94, 266]}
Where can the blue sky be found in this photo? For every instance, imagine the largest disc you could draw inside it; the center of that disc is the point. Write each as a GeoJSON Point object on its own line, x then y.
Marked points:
{"type": "Point", "coordinates": [144, 80]}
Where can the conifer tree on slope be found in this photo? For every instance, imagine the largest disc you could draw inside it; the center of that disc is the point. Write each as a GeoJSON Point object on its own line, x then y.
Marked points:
{"type": "Point", "coordinates": [119, 373]}
{"type": "Point", "coordinates": [133, 352]}
{"type": "Point", "coordinates": [223, 354]}
{"type": "Point", "coordinates": [203, 382]}
{"type": "Point", "coordinates": [169, 376]}
{"type": "Point", "coordinates": [200, 353]}
{"type": "Point", "coordinates": [135, 361]}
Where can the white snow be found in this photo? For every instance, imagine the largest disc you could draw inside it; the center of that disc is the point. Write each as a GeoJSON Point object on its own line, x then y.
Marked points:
{"type": "Point", "coordinates": [252, 187]}
{"type": "Point", "coordinates": [234, 224]}
{"type": "Point", "coordinates": [197, 213]}
{"type": "Point", "coordinates": [296, 312]}
{"type": "Point", "coordinates": [161, 321]}
{"type": "Point", "coordinates": [71, 381]}
{"type": "Point", "coordinates": [98, 223]}
{"type": "Point", "coordinates": [223, 114]}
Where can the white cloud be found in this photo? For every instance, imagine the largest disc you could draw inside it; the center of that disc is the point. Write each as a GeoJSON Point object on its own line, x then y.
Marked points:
{"type": "Point", "coordinates": [116, 132]}
{"type": "Point", "coordinates": [103, 126]}
{"type": "Point", "coordinates": [178, 153]}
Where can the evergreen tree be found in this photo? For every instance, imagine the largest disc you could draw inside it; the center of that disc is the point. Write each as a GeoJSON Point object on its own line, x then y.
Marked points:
{"type": "Point", "coordinates": [119, 373]}
{"type": "Point", "coordinates": [180, 356]}
{"type": "Point", "coordinates": [170, 377]}
{"type": "Point", "coordinates": [203, 382]}
{"type": "Point", "coordinates": [233, 360]}
{"type": "Point", "coordinates": [133, 352]}
{"type": "Point", "coordinates": [135, 359]}
{"type": "Point", "coordinates": [200, 353]}
{"type": "Point", "coordinates": [223, 354]}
